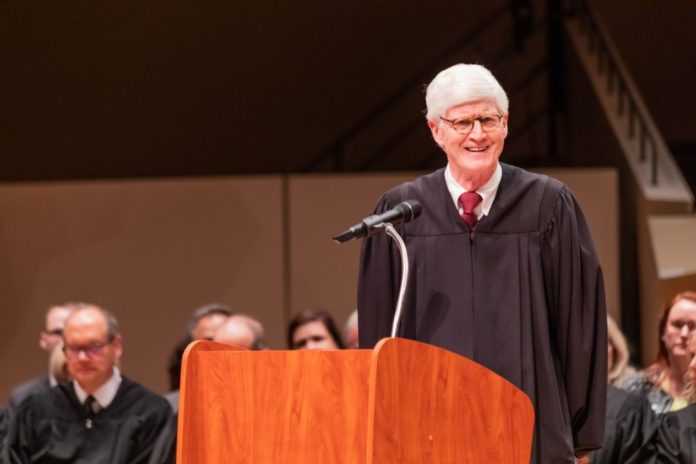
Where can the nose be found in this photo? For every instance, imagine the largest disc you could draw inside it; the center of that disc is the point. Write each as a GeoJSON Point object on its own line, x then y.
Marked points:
{"type": "Point", "coordinates": [685, 330]}
{"type": "Point", "coordinates": [82, 355]}
{"type": "Point", "coordinates": [477, 131]}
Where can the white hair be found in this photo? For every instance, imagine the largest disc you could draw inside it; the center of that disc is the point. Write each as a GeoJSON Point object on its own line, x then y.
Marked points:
{"type": "Point", "coordinates": [463, 83]}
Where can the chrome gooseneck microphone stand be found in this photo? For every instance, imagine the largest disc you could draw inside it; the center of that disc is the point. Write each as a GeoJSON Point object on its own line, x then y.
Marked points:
{"type": "Point", "coordinates": [391, 231]}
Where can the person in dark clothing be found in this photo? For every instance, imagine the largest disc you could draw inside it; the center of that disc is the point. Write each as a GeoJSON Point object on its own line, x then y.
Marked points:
{"type": "Point", "coordinates": [676, 436]}
{"type": "Point", "coordinates": [630, 425]}
{"type": "Point", "coordinates": [99, 417]}
{"type": "Point", "coordinates": [503, 269]}
{"type": "Point", "coordinates": [630, 422]}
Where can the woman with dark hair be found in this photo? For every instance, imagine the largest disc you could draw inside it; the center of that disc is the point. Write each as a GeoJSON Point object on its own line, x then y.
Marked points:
{"type": "Point", "coordinates": [313, 329]}
{"type": "Point", "coordinates": [663, 381]}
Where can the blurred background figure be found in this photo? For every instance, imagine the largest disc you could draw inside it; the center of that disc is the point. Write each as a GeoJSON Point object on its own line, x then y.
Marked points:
{"type": "Point", "coordinates": [241, 330]}
{"type": "Point", "coordinates": [49, 338]}
{"type": "Point", "coordinates": [630, 423]}
{"type": "Point", "coordinates": [663, 381]}
{"type": "Point", "coordinates": [58, 364]}
{"type": "Point", "coordinates": [618, 354]}
{"type": "Point", "coordinates": [350, 331]}
{"type": "Point", "coordinates": [206, 320]}
{"type": "Point", "coordinates": [313, 329]}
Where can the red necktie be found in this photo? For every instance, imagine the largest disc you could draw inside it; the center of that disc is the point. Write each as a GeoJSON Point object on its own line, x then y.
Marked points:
{"type": "Point", "coordinates": [469, 200]}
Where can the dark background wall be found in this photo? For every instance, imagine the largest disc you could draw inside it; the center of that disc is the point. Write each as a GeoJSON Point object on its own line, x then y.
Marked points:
{"type": "Point", "coordinates": [157, 88]}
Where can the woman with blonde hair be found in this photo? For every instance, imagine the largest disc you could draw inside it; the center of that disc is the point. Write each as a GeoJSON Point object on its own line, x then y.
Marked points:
{"type": "Point", "coordinates": [617, 354]}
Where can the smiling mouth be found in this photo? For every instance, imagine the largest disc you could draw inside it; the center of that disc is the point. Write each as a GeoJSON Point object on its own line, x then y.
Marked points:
{"type": "Point", "coordinates": [476, 149]}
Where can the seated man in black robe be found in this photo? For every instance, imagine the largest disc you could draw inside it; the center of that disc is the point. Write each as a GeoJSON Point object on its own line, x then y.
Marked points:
{"type": "Point", "coordinates": [99, 417]}
{"type": "Point", "coordinates": [503, 269]}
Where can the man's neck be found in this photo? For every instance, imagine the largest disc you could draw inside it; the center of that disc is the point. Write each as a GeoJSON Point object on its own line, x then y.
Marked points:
{"type": "Point", "coordinates": [472, 181]}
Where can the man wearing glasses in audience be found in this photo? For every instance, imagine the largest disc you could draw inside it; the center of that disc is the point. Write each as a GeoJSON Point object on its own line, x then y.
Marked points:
{"type": "Point", "coordinates": [49, 339]}
{"type": "Point", "coordinates": [101, 416]}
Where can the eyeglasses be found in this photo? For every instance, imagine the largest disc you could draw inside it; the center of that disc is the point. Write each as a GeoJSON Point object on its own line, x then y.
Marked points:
{"type": "Point", "coordinates": [91, 351]}
{"type": "Point", "coordinates": [488, 122]}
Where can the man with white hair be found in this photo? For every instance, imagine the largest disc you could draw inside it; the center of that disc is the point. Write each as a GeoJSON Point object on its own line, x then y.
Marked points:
{"type": "Point", "coordinates": [241, 330]}
{"type": "Point", "coordinates": [503, 269]}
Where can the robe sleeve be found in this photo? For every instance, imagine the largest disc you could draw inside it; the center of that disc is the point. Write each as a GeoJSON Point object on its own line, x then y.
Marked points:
{"type": "Point", "coordinates": [155, 423]}
{"type": "Point", "coordinates": [577, 316]}
{"type": "Point", "coordinates": [676, 439]}
{"type": "Point", "coordinates": [378, 284]}
{"type": "Point", "coordinates": [20, 441]}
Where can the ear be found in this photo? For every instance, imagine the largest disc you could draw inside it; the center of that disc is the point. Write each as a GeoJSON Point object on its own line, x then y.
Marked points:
{"type": "Point", "coordinates": [43, 342]}
{"type": "Point", "coordinates": [436, 130]}
{"type": "Point", "coordinates": [118, 346]}
{"type": "Point", "coordinates": [505, 123]}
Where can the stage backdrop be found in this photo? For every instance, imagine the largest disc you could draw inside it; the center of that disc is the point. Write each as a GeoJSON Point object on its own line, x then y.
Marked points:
{"type": "Point", "coordinates": [154, 250]}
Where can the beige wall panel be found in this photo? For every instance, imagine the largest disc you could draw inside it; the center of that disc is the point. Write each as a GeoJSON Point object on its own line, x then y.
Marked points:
{"type": "Point", "coordinates": [324, 273]}
{"type": "Point", "coordinates": [151, 251]}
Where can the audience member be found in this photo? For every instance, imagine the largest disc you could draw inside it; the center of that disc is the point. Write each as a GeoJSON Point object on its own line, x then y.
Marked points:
{"type": "Point", "coordinates": [313, 329]}
{"type": "Point", "coordinates": [618, 355]}
{"type": "Point", "coordinates": [206, 320]}
{"type": "Point", "coordinates": [676, 438]}
{"type": "Point", "coordinates": [58, 364]}
{"type": "Point", "coordinates": [663, 381]}
{"type": "Point", "coordinates": [101, 416]}
{"type": "Point", "coordinates": [241, 330]}
{"type": "Point", "coordinates": [174, 372]}
{"type": "Point", "coordinates": [48, 339]}
{"type": "Point", "coordinates": [350, 331]}
{"type": "Point", "coordinates": [630, 423]}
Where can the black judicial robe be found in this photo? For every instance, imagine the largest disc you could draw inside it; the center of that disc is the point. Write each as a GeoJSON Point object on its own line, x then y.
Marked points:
{"type": "Point", "coordinates": [522, 294]}
{"type": "Point", "coordinates": [53, 427]}
{"type": "Point", "coordinates": [630, 425]}
{"type": "Point", "coordinates": [676, 437]}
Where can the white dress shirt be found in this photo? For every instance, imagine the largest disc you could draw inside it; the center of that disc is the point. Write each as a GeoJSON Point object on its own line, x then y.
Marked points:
{"type": "Point", "coordinates": [487, 191]}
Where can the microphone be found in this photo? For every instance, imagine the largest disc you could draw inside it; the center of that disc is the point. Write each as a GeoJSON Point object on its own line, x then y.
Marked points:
{"type": "Point", "coordinates": [403, 212]}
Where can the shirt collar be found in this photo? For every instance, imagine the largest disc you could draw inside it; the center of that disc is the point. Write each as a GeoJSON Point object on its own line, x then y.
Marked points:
{"type": "Point", "coordinates": [104, 394]}
{"type": "Point", "coordinates": [488, 191]}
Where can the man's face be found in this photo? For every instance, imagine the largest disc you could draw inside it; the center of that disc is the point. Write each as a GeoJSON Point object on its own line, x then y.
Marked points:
{"type": "Point", "coordinates": [681, 322]}
{"type": "Point", "coordinates": [476, 154]}
{"type": "Point", "coordinates": [208, 325]}
{"type": "Point", "coordinates": [91, 355]}
{"type": "Point", "coordinates": [52, 335]}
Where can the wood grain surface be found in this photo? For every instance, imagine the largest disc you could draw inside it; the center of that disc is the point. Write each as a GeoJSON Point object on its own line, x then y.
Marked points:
{"type": "Point", "coordinates": [273, 406]}
{"type": "Point", "coordinates": [428, 405]}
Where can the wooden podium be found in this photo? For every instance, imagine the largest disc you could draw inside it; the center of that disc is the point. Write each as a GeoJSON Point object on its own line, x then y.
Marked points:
{"type": "Point", "coordinates": [403, 402]}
